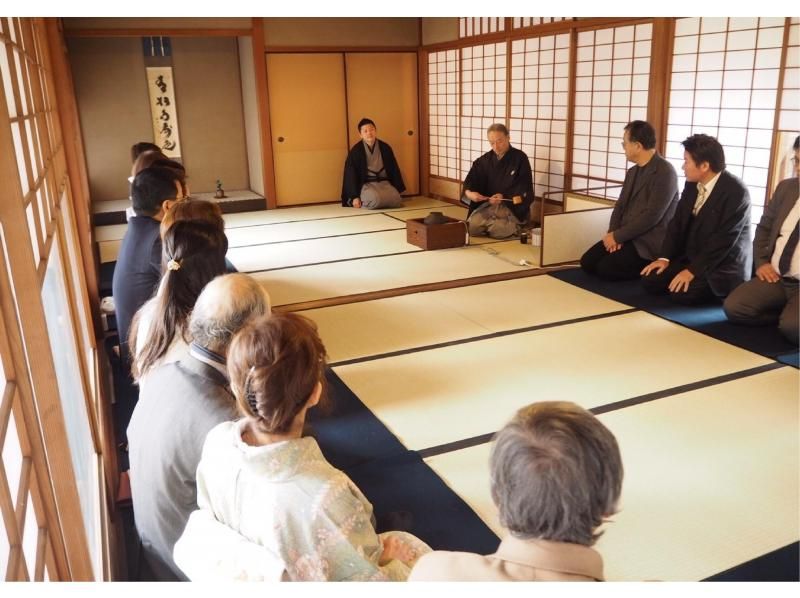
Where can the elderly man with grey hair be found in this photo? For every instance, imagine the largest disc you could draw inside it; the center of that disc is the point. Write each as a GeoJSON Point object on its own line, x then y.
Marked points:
{"type": "Point", "coordinates": [181, 403]}
{"type": "Point", "coordinates": [499, 188]}
{"type": "Point", "coordinates": [556, 474]}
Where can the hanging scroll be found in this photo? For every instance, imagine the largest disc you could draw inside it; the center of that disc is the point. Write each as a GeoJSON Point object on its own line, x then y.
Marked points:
{"type": "Point", "coordinates": [163, 110]}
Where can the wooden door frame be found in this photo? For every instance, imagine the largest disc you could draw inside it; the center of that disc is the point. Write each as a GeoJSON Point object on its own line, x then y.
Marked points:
{"type": "Point", "coordinates": [39, 394]}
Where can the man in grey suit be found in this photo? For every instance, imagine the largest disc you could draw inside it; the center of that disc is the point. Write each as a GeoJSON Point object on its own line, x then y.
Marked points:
{"type": "Point", "coordinates": [706, 252]}
{"type": "Point", "coordinates": [182, 402]}
{"type": "Point", "coordinates": [640, 217]}
{"type": "Point", "coordinates": [772, 296]}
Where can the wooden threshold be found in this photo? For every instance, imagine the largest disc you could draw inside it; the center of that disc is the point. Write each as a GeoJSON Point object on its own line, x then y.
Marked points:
{"type": "Point", "coordinates": [417, 288]}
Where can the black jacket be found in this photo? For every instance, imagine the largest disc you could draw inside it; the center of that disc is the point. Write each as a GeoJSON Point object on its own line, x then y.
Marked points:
{"type": "Point", "coordinates": [355, 171]}
{"type": "Point", "coordinates": [716, 241]}
{"type": "Point", "coordinates": [769, 228]}
{"type": "Point", "coordinates": [137, 272]}
{"type": "Point", "coordinates": [510, 176]}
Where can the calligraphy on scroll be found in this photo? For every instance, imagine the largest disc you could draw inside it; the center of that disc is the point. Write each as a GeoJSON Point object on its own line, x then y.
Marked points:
{"type": "Point", "coordinates": [163, 110]}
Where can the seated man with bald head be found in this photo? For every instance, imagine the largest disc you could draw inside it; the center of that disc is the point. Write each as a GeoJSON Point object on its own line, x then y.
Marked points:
{"type": "Point", "coordinates": [556, 474]}
{"type": "Point", "coordinates": [182, 401]}
{"type": "Point", "coordinates": [499, 188]}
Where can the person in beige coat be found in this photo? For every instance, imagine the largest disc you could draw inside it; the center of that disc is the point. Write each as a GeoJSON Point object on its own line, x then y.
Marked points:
{"type": "Point", "coordinates": [556, 473]}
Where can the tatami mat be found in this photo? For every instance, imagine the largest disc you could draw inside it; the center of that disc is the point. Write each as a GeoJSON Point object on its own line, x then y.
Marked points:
{"type": "Point", "coordinates": [710, 479]}
{"type": "Point", "coordinates": [471, 389]}
{"type": "Point", "coordinates": [708, 319]}
{"type": "Point", "coordinates": [367, 328]}
{"type": "Point", "coordinates": [331, 210]}
{"type": "Point", "coordinates": [353, 220]}
{"type": "Point", "coordinates": [310, 229]}
{"type": "Point", "coordinates": [414, 207]}
{"type": "Point", "coordinates": [275, 226]}
{"type": "Point", "coordinates": [317, 251]}
{"type": "Point", "coordinates": [109, 249]}
{"type": "Point", "coordinates": [310, 283]}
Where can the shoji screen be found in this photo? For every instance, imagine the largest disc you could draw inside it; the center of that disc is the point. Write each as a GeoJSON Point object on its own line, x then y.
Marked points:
{"type": "Point", "coordinates": [612, 76]}
{"type": "Point", "coordinates": [52, 504]}
{"type": "Point", "coordinates": [539, 101]}
{"type": "Point", "coordinates": [725, 74]}
{"type": "Point", "coordinates": [789, 116]}
{"type": "Point", "coordinates": [519, 22]}
{"type": "Point", "coordinates": [483, 98]}
{"type": "Point", "coordinates": [469, 26]}
{"type": "Point", "coordinates": [443, 99]}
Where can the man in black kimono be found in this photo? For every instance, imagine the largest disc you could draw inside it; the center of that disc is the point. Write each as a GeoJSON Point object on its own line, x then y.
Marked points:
{"type": "Point", "coordinates": [372, 177]}
{"type": "Point", "coordinates": [706, 252]}
{"type": "Point", "coordinates": [499, 188]}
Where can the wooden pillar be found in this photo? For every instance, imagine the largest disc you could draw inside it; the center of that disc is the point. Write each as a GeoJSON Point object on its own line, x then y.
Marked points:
{"type": "Point", "coordinates": [660, 75]}
{"type": "Point", "coordinates": [424, 122]}
{"type": "Point", "coordinates": [569, 131]}
{"type": "Point", "coordinates": [262, 101]}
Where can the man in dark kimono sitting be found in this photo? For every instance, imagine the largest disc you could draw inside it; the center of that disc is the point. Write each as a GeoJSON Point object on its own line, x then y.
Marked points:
{"type": "Point", "coordinates": [372, 177]}
{"type": "Point", "coordinates": [499, 188]}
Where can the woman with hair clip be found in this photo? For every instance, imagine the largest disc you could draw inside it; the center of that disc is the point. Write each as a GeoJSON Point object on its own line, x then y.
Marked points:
{"type": "Point", "coordinates": [260, 478]}
{"type": "Point", "coordinates": [193, 254]}
{"type": "Point", "coordinates": [196, 209]}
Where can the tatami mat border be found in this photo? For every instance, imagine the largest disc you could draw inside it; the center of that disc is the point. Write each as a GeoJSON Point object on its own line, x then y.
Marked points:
{"type": "Point", "coordinates": [366, 232]}
{"type": "Point", "coordinates": [615, 406]}
{"type": "Point", "coordinates": [412, 289]}
{"type": "Point", "coordinates": [351, 259]}
{"type": "Point", "coordinates": [652, 396]}
{"type": "Point", "coordinates": [483, 337]}
{"type": "Point", "coordinates": [366, 213]}
{"type": "Point", "coordinates": [773, 566]}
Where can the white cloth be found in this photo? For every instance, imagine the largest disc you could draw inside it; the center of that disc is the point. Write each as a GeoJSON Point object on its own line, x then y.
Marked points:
{"type": "Point", "coordinates": [211, 551]}
{"type": "Point", "coordinates": [787, 227]}
{"type": "Point", "coordinates": [288, 499]}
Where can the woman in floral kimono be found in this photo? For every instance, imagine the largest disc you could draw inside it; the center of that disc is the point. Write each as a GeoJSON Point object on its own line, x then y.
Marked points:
{"type": "Point", "coordinates": [263, 480]}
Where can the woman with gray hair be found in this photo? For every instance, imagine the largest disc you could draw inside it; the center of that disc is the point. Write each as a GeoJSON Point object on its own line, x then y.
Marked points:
{"type": "Point", "coordinates": [556, 473]}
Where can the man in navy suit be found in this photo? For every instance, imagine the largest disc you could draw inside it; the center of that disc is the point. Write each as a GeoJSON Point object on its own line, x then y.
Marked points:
{"type": "Point", "coordinates": [771, 297]}
{"type": "Point", "coordinates": [706, 252]}
{"type": "Point", "coordinates": [138, 268]}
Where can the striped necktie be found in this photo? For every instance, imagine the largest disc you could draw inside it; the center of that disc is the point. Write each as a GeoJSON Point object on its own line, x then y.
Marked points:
{"type": "Point", "coordinates": [701, 198]}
